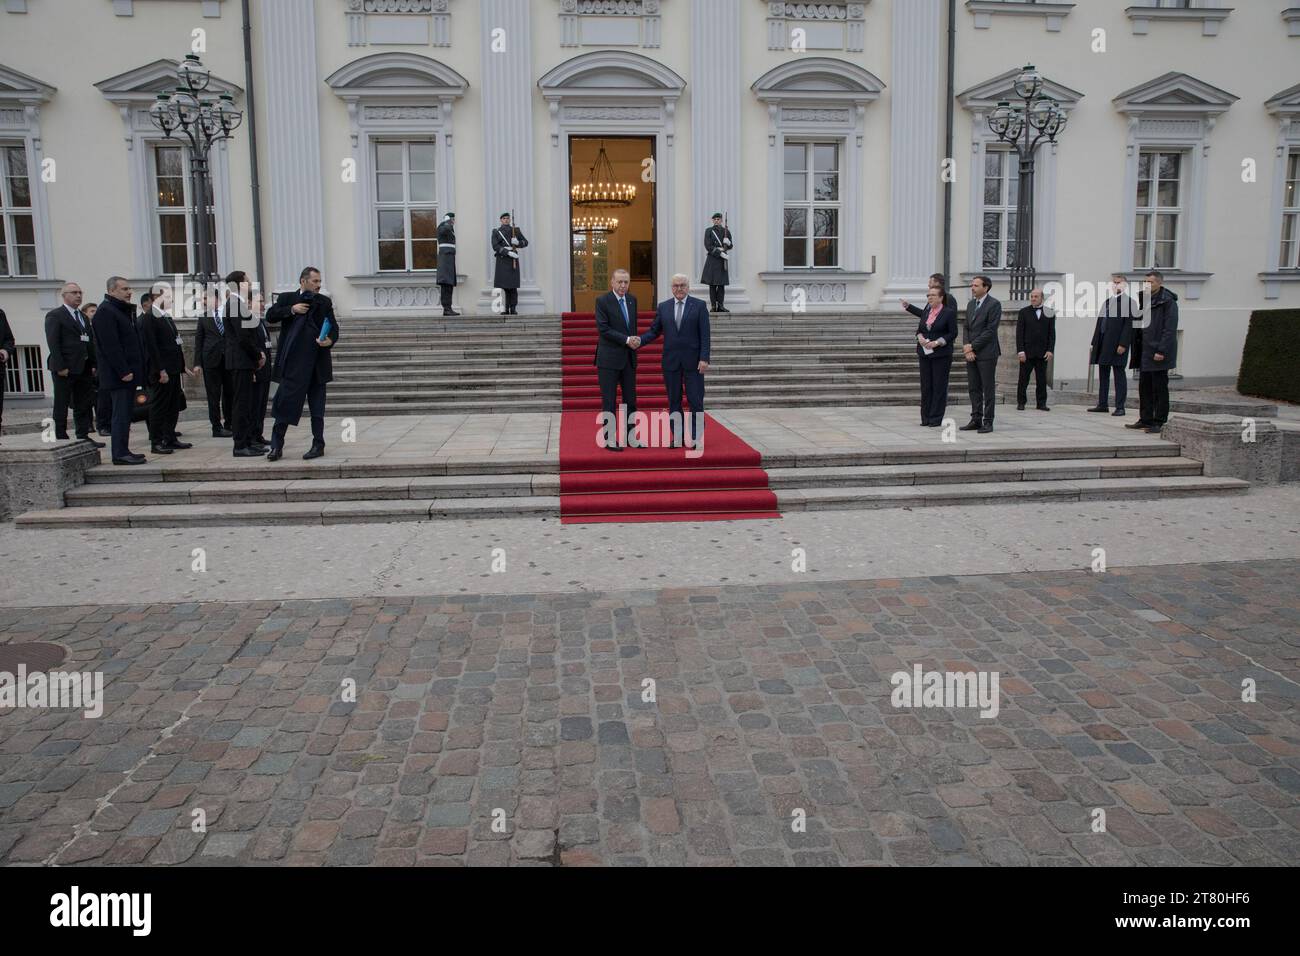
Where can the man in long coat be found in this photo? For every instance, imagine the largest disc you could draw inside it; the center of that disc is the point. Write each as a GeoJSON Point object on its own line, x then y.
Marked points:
{"type": "Point", "coordinates": [447, 261]}
{"type": "Point", "coordinates": [302, 361]}
{"type": "Point", "coordinates": [507, 240]}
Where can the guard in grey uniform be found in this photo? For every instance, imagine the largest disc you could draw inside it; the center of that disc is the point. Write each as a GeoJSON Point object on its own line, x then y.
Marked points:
{"type": "Point", "coordinates": [447, 261]}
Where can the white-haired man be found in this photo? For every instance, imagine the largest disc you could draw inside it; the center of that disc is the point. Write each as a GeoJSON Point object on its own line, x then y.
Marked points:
{"type": "Point", "coordinates": [683, 321]}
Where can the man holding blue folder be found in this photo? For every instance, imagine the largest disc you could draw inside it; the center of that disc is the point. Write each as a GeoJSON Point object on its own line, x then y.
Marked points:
{"type": "Point", "coordinates": [308, 330]}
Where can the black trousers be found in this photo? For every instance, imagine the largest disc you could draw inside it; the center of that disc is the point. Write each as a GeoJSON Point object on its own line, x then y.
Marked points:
{"type": "Point", "coordinates": [164, 411]}
{"type": "Point", "coordinates": [1038, 366]}
{"type": "Point", "coordinates": [122, 400]}
{"type": "Point", "coordinates": [447, 291]}
{"type": "Point", "coordinates": [717, 297]}
{"type": "Point", "coordinates": [611, 380]}
{"type": "Point", "coordinates": [674, 380]}
{"type": "Point", "coordinates": [935, 373]}
{"type": "Point", "coordinates": [244, 390]}
{"type": "Point", "coordinates": [3, 375]}
{"type": "Point", "coordinates": [981, 380]}
{"type": "Point", "coordinates": [220, 391]}
{"type": "Point", "coordinates": [261, 397]}
{"type": "Point", "coordinates": [77, 392]}
{"type": "Point", "coordinates": [316, 408]}
{"type": "Point", "coordinates": [512, 301]}
{"type": "Point", "coordinates": [1153, 397]}
{"type": "Point", "coordinates": [1103, 387]}
{"type": "Point", "coordinates": [104, 408]}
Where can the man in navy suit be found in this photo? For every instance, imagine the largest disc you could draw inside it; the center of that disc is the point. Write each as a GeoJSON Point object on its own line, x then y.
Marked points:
{"type": "Point", "coordinates": [683, 321]}
{"type": "Point", "coordinates": [616, 350]}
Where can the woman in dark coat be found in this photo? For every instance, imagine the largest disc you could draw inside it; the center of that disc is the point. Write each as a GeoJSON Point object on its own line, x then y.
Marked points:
{"type": "Point", "coordinates": [935, 333]}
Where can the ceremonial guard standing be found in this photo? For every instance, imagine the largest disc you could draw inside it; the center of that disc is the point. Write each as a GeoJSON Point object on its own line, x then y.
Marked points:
{"type": "Point", "coordinates": [447, 261]}
{"type": "Point", "coordinates": [717, 274]}
{"type": "Point", "coordinates": [507, 240]}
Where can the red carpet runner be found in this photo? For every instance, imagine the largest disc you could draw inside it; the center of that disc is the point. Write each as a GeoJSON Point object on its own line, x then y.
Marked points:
{"type": "Point", "coordinates": [726, 483]}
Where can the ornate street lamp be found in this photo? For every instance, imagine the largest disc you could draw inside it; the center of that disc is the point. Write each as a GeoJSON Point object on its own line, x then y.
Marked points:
{"type": "Point", "coordinates": [1024, 127]}
{"type": "Point", "coordinates": [202, 121]}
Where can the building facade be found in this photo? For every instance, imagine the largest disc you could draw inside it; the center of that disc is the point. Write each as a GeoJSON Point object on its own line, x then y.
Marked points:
{"type": "Point", "coordinates": [819, 129]}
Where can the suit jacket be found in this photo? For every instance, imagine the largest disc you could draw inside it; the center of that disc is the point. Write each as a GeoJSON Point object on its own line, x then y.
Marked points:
{"type": "Point", "coordinates": [70, 345]}
{"type": "Point", "coordinates": [945, 327]}
{"type": "Point", "coordinates": [264, 342]}
{"type": "Point", "coordinates": [982, 328]}
{"type": "Point", "coordinates": [689, 347]}
{"type": "Point", "coordinates": [162, 348]}
{"type": "Point", "coordinates": [612, 351]}
{"type": "Point", "coordinates": [243, 341]}
{"type": "Point", "coordinates": [1035, 337]}
{"type": "Point", "coordinates": [209, 344]}
{"type": "Point", "coordinates": [299, 361]}
{"type": "Point", "coordinates": [6, 338]}
{"type": "Point", "coordinates": [117, 345]}
{"type": "Point", "coordinates": [1114, 331]}
{"type": "Point", "coordinates": [1160, 337]}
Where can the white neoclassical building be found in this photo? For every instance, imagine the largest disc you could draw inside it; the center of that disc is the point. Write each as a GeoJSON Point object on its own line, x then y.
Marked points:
{"type": "Point", "coordinates": [850, 159]}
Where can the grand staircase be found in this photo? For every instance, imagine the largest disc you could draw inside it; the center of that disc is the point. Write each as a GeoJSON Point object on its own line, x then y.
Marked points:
{"type": "Point", "coordinates": [498, 365]}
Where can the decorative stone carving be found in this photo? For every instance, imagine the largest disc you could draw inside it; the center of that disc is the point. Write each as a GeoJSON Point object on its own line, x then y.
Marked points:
{"type": "Point", "coordinates": [402, 22]}
{"type": "Point", "coordinates": [815, 116]}
{"type": "Point", "coordinates": [610, 23]}
{"type": "Point", "coordinates": [403, 113]}
{"type": "Point", "coordinates": [822, 26]}
{"type": "Point", "coordinates": [651, 113]}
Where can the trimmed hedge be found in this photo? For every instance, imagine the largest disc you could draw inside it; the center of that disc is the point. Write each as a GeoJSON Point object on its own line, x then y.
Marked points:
{"type": "Point", "coordinates": [1270, 362]}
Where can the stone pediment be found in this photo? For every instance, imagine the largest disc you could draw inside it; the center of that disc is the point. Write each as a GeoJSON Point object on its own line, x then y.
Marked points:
{"type": "Point", "coordinates": [20, 89]}
{"type": "Point", "coordinates": [988, 94]}
{"type": "Point", "coordinates": [144, 83]}
{"type": "Point", "coordinates": [818, 79]}
{"type": "Point", "coordinates": [397, 74]}
{"type": "Point", "coordinates": [1175, 93]}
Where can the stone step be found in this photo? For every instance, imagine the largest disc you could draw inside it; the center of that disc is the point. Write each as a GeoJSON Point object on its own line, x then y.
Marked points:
{"type": "Point", "coordinates": [123, 494]}
{"type": "Point", "coordinates": [453, 373]}
{"type": "Point", "coordinates": [833, 392]}
{"type": "Point", "coordinates": [726, 378]}
{"type": "Point", "coordinates": [548, 506]}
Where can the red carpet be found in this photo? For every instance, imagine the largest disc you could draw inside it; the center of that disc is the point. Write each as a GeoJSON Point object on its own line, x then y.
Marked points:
{"type": "Point", "coordinates": [726, 483]}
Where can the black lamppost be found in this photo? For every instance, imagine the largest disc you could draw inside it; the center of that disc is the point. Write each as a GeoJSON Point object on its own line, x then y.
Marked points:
{"type": "Point", "coordinates": [203, 121]}
{"type": "Point", "coordinates": [1024, 128]}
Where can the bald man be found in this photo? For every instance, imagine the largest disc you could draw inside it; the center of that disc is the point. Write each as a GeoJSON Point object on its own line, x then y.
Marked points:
{"type": "Point", "coordinates": [71, 349]}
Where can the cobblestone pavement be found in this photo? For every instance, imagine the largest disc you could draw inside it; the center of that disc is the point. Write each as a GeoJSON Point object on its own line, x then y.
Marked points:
{"type": "Point", "coordinates": [1120, 691]}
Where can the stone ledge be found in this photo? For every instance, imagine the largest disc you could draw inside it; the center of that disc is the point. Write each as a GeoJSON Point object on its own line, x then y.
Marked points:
{"type": "Point", "coordinates": [1218, 442]}
{"type": "Point", "coordinates": [34, 474]}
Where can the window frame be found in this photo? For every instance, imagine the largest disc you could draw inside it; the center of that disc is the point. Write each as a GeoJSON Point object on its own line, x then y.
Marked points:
{"type": "Point", "coordinates": [406, 205]}
{"type": "Point", "coordinates": [187, 211]}
{"type": "Point", "coordinates": [9, 213]}
{"type": "Point", "coordinates": [809, 202]}
{"type": "Point", "coordinates": [1154, 211]}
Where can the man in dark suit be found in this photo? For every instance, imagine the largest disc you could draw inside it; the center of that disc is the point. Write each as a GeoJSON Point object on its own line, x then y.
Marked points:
{"type": "Point", "coordinates": [302, 361]}
{"type": "Point", "coordinates": [1159, 353]}
{"type": "Point", "coordinates": [121, 363]}
{"type": "Point", "coordinates": [262, 392]}
{"type": "Point", "coordinates": [981, 350]}
{"type": "Point", "coordinates": [1111, 341]}
{"type": "Point", "coordinates": [245, 357]}
{"type": "Point", "coordinates": [8, 351]}
{"type": "Point", "coordinates": [164, 360]}
{"type": "Point", "coordinates": [616, 351]}
{"type": "Point", "coordinates": [683, 321]}
{"type": "Point", "coordinates": [940, 281]}
{"type": "Point", "coordinates": [1035, 343]}
{"type": "Point", "coordinates": [210, 356]}
{"type": "Point", "coordinates": [72, 360]}
{"type": "Point", "coordinates": [103, 393]}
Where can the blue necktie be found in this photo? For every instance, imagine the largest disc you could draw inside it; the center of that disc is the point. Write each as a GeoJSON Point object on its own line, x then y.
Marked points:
{"type": "Point", "coordinates": [626, 321]}
{"type": "Point", "coordinates": [221, 326]}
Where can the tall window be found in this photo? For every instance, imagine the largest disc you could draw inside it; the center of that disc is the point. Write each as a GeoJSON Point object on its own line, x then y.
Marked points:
{"type": "Point", "coordinates": [405, 206]}
{"type": "Point", "coordinates": [1159, 195]}
{"type": "Point", "coordinates": [25, 371]}
{"type": "Point", "coordinates": [17, 229]}
{"type": "Point", "coordinates": [812, 205]}
{"type": "Point", "coordinates": [1290, 256]}
{"type": "Point", "coordinates": [174, 211]}
{"type": "Point", "coordinates": [1001, 193]}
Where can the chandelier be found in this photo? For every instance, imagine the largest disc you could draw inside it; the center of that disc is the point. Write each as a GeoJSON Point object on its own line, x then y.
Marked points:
{"type": "Point", "coordinates": [595, 225]}
{"type": "Point", "coordinates": [600, 191]}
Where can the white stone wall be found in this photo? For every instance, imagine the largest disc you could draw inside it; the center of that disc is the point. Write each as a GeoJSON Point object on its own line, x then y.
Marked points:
{"type": "Point", "coordinates": [1250, 57]}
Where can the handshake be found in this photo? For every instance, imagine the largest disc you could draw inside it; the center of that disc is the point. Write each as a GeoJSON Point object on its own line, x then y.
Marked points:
{"type": "Point", "coordinates": [634, 342]}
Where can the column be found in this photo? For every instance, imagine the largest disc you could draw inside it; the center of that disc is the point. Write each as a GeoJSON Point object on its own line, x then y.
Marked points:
{"type": "Point", "coordinates": [717, 95]}
{"type": "Point", "coordinates": [918, 62]}
{"type": "Point", "coordinates": [293, 149]}
{"type": "Point", "coordinates": [508, 86]}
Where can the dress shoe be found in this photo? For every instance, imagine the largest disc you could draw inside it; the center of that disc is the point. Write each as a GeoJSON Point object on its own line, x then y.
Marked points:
{"type": "Point", "coordinates": [222, 433]}
{"type": "Point", "coordinates": [1139, 424]}
{"type": "Point", "coordinates": [175, 445]}
{"type": "Point", "coordinates": [449, 313]}
{"type": "Point", "coordinates": [130, 460]}
{"type": "Point", "coordinates": [724, 311]}
{"type": "Point", "coordinates": [1100, 409]}
{"type": "Point", "coordinates": [178, 434]}
{"type": "Point", "coordinates": [1155, 429]}
{"type": "Point", "coordinates": [317, 450]}
{"type": "Point", "coordinates": [248, 453]}
{"type": "Point", "coordinates": [97, 444]}
{"type": "Point", "coordinates": [262, 440]}
{"type": "Point", "coordinates": [104, 433]}
{"type": "Point", "coordinates": [1043, 408]}
{"type": "Point", "coordinates": [259, 448]}
{"type": "Point", "coordinates": [1118, 413]}
{"type": "Point", "coordinates": [986, 429]}
{"type": "Point", "coordinates": [275, 454]}
{"type": "Point", "coordinates": [1020, 406]}
{"type": "Point", "coordinates": [934, 424]}
{"type": "Point", "coordinates": [970, 427]}
{"type": "Point", "coordinates": [160, 449]}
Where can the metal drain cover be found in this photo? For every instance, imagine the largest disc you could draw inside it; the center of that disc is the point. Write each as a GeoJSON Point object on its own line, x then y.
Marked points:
{"type": "Point", "coordinates": [35, 657]}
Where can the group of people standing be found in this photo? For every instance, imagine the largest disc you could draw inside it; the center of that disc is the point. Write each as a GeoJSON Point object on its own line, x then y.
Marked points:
{"type": "Point", "coordinates": [135, 358]}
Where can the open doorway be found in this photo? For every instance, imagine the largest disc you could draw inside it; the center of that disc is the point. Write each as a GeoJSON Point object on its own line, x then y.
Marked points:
{"type": "Point", "coordinates": [611, 217]}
